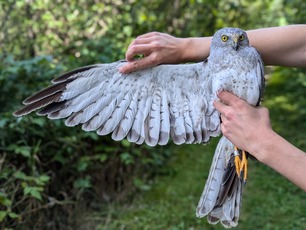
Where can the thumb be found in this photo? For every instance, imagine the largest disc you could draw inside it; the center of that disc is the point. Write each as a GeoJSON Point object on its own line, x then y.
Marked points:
{"type": "Point", "coordinates": [136, 65]}
{"type": "Point", "coordinates": [228, 98]}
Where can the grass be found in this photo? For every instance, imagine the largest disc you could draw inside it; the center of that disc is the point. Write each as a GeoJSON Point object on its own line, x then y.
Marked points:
{"type": "Point", "coordinates": [269, 200]}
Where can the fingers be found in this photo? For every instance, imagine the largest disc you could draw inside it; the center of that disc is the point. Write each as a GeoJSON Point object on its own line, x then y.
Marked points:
{"type": "Point", "coordinates": [156, 48]}
{"type": "Point", "coordinates": [228, 98]}
{"type": "Point", "coordinates": [220, 106]}
{"type": "Point", "coordinates": [150, 34]}
{"type": "Point", "coordinates": [137, 50]}
{"type": "Point", "coordinates": [227, 104]}
{"type": "Point", "coordinates": [139, 46]}
{"type": "Point", "coordinates": [137, 65]}
{"type": "Point", "coordinates": [143, 44]}
{"type": "Point", "coordinates": [226, 112]}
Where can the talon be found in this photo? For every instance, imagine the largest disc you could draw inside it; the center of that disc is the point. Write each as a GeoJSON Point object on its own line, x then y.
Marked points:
{"type": "Point", "coordinates": [241, 164]}
{"type": "Point", "coordinates": [244, 167]}
{"type": "Point", "coordinates": [237, 161]}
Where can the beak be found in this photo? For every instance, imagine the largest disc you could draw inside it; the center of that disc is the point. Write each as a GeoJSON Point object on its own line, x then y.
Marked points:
{"type": "Point", "coordinates": [235, 39]}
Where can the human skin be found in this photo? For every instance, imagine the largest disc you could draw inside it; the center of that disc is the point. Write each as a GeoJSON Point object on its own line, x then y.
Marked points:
{"type": "Point", "coordinates": [284, 46]}
{"type": "Point", "coordinates": [246, 126]}
{"type": "Point", "coordinates": [249, 129]}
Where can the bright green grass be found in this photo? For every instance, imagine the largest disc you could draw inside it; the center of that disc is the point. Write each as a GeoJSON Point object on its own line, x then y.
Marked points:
{"type": "Point", "coordinates": [269, 200]}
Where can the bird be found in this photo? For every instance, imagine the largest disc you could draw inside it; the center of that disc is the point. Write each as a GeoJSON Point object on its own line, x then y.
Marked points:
{"type": "Point", "coordinates": [163, 103]}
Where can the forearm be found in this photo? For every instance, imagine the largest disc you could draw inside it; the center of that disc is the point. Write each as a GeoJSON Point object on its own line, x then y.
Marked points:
{"type": "Point", "coordinates": [195, 49]}
{"type": "Point", "coordinates": [284, 46]}
{"type": "Point", "coordinates": [283, 157]}
{"type": "Point", "coordinates": [249, 129]}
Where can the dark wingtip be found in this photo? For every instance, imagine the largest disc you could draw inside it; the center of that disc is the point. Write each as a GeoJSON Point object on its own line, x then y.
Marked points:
{"type": "Point", "coordinates": [21, 112]}
{"type": "Point", "coordinates": [66, 76]}
{"type": "Point", "coordinates": [38, 104]}
{"type": "Point", "coordinates": [16, 114]}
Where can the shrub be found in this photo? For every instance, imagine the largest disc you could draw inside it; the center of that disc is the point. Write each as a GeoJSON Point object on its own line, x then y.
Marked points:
{"type": "Point", "coordinates": [47, 169]}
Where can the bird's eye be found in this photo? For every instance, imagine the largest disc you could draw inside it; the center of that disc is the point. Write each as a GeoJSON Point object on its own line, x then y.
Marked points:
{"type": "Point", "coordinates": [224, 38]}
{"type": "Point", "coordinates": [241, 38]}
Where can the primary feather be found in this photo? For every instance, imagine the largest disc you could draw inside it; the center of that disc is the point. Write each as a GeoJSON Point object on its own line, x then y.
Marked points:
{"type": "Point", "coordinates": [145, 106]}
{"type": "Point", "coordinates": [163, 102]}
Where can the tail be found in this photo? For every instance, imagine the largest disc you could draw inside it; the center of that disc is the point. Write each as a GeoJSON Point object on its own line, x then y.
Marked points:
{"type": "Point", "coordinates": [222, 195]}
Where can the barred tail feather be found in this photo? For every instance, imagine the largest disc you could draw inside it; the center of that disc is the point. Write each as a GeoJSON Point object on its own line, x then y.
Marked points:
{"type": "Point", "coordinates": [221, 198]}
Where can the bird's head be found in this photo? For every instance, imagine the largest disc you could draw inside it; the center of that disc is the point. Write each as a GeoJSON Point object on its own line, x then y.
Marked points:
{"type": "Point", "coordinates": [230, 37]}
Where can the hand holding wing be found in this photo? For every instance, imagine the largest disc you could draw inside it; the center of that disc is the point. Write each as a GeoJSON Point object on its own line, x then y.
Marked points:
{"type": "Point", "coordinates": [148, 106]}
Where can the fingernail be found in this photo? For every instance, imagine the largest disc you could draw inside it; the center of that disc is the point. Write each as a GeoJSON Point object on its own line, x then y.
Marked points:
{"type": "Point", "coordinates": [121, 70]}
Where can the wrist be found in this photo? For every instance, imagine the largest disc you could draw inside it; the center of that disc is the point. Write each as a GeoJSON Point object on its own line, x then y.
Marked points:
{"type": "Point", "coordinates": [265, 146]}
{"type": "Point", "coordinates": [194, 49]}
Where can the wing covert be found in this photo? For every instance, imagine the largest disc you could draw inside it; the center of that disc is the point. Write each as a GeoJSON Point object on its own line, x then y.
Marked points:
{"type": "Point", "coordinates": [149, 105]}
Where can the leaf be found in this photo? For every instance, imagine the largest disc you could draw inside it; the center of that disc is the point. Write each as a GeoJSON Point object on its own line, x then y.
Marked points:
{"type": "Point", "coordinates": [103, 157]}
{"type": "Point", "coordinates": [20, 175]}
{"type": "Point", "coordinates": [82, 183]}
{"type": "Point", "coordinates": [126, 143]}
{"type": "Point", "coordinates": [39, 121]}
{"type": "Point", "coordinates": [83, 164]}
{"type": "Point", "coordinates": [44, 178]}
{"type": "Point", "coordinates": [41, 180]}
{"type": "Point", "coordinates": [127, 158]}
{"type": "Point", "coordinates": [36, 194]}
{"type": "Point", "coordinates": [3, 122]}
{"type": "Point", "coordinates": [3, 214]}
{"type": "Point", "coordinates": [13, 215]}
{"type": "Point", "coordinates": [24, 151]}
{"type": "Point", "coordinates": [33, 192]}
{"type": "Point", "coordinates": [141, 185]}
{"type": "Point", "coordinates": [12, 147]}
{"type": "Point", "coordinates": [4, 200]}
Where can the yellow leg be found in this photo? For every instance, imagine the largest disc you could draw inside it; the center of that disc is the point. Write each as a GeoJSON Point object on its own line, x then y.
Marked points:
{"type": "Point", "coordinates": [241, 165]}
{"type": "Point", "coordinates": [237, 161]}
{"type": "Point", "coordinates": [244, 166]}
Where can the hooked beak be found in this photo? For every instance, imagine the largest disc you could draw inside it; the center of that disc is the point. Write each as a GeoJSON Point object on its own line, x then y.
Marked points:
{"type": "Point", "coordinates": [235, 39]}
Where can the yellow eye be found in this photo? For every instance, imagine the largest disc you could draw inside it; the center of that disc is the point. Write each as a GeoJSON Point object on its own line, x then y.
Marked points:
{"type": "Point", "coordinates": [224, 38]}
{"type": "Point", "coordinates": [241, 38]}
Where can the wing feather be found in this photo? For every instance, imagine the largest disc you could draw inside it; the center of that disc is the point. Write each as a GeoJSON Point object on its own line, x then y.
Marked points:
{"type": "Point", "coordinates": [135, 131]}
{"type": "Point", "coordinates": [178, 131]}
{"type": "Point", "coordinates": [148, 106]}
{"type": "Point", "coordinates": [164, 120]}
{"type": "Point", "coordinates": [153, 119]}
{"type": "Point", "coordinates": [117, 115]}
{"type": "Point", "coordinates": [126, 123]}
{"type": "Point", "coordinates": [144, 126]}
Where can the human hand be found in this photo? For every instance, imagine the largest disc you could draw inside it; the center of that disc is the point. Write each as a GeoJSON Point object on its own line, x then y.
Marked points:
{"type": "Point", "coordinates": [243, 124]}
{"type": "Point", "coordinates": [157, 48]}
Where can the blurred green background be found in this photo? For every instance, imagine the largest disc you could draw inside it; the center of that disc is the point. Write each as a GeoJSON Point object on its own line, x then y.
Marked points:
{"type": "Point", "coordinates": [54, 177]}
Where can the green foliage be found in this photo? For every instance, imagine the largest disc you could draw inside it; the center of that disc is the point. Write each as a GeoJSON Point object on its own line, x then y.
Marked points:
{"type": "Point", "coordinates": [49, 171]}
{"type": "Point", "coordinates": [288, 85]}
{"type": "Point", "coordinates": [269, 200]}
{"type": "Point", "coordinates": [18, 78]}
{"type": "Point", "coordinates": [45, 165]}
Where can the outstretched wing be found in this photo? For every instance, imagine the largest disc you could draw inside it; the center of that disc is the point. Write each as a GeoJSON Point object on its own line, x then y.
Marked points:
{"type": "Point", "coordinates": [149, 106]}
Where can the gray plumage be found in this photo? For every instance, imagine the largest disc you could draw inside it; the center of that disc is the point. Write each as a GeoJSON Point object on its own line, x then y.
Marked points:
{"type": "Point", "coordinates": [163, 102]}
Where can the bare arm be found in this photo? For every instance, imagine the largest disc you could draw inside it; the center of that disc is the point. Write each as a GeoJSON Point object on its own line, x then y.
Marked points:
{"type": "Point", "coordinates": [278, 46]}
{"type": "Point", "coordinates": [249, 128]}
{"type": "Point", "coordinates": [281, 45]}
{"type": "Point", "coordinates": [160, 48]}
